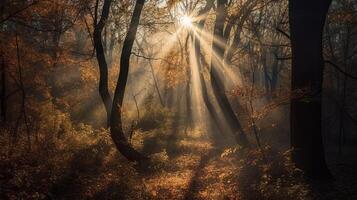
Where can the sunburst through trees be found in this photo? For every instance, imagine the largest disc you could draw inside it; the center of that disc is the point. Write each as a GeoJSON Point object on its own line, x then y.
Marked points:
{"type": "Point", "coordinates": [169, 99]}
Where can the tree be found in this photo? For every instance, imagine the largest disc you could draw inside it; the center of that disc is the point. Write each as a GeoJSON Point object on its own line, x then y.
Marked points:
{"type": "Point", "coordinates": [103, 67]}
{"type": "Point", "coordinates": [239, 18]}
{"type": "Point", "coordinates": [3, 91]}
{"type": "Point", "coordinates": [216, 81]}
{"type": "Point", "coordinates": [116, 124]}
{"type": "Point", "coordinates": [200, 61]}
{"type": "Point", "coordinates": [307, 20]}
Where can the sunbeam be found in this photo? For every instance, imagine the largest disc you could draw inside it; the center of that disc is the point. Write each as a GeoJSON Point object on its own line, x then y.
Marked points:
{"type": "Point", "coordinates": [229, 75]}
{"type": "Point", "coordinates": [177, 99]}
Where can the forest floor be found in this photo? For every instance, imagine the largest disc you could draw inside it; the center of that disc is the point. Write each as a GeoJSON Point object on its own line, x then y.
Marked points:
{"type": "Point", "coordinates": [194, 167]}
{"type": "Point", "coordinates": [185, 164]}
{"type": "Point", "coordinates": [192, 164]}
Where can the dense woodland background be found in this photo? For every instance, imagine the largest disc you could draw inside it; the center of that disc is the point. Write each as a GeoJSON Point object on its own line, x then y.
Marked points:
{"type": "Point", "coordinates": [168, 99]}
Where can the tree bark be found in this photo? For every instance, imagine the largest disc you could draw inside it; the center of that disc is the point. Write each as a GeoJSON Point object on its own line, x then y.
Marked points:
{"type": "Point", "coordinates": [307, 20]}
{"type": "Point", "coordinates": [3, 91]}
{"type": "Point", "coordinates": [103, 67]}
{"type": "Point", "coordinates": [116, 123]}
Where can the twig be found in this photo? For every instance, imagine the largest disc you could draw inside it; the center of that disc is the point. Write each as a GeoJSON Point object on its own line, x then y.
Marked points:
{"type": "Point", "coordinates": [340, 70]}
{"type": "Point", "coordinates": [283, 32]}
{"type": "Point", "coordinates": [17, 12]}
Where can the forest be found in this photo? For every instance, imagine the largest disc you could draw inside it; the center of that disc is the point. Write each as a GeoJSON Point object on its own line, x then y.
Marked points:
{"type": "Point", "coordinates": [178, 99]}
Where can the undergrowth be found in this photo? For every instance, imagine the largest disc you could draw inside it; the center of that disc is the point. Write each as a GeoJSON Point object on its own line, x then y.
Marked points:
{"type": "Point", "coordinates": [76, 161]}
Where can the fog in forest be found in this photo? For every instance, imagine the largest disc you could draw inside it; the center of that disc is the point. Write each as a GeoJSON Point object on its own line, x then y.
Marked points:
{"type": "Point", "coordinates": [169, 99]}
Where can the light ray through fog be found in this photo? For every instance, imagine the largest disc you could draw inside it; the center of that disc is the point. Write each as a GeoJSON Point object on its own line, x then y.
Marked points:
{"type": "Point", "coordinates": [202, 117]}
{"type": "Point", "coordinates": [196, 104]}
{"type": "Point", "coordinates": [196, 94]}
{"type": "Point", "coordinates": [166, 43]}
{"type": "Point", "coordinates": [228, 74]}
{"type": "Point", "coordinates": [205, 36]}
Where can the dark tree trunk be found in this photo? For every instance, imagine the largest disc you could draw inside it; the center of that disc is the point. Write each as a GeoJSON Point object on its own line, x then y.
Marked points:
{"type": "Point", "coordinates": [307, 20]}
{"type": "Point", "coordinates": [3, 91]}
{"type": "Point", "coordinates": [274, 76]}
{"type": "Point", "coordinates": [216, 81]}
{"type": "Point", "coordinates": [116, 123]}
{"type": "Point", "coordinates": [103, 67]}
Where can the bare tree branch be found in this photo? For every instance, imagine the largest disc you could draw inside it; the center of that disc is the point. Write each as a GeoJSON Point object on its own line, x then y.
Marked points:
{"type": "Point", "coordinates": [340, 70]}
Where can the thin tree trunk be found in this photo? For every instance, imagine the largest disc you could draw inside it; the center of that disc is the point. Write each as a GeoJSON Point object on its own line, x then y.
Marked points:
{"type": "Point", "coordinates": [156, 84]}
{"type": "Point", "coordinates": [116, 123]}
{"type": "Point", "coordinates": [250, 109]}
{"type": "Point", "coordinates": [23, 100]}
{"type": "Point", "coordinates": [3, 91]}
{"type": "Point", "coordinates": [243, 16]}
{"type": "Point", "coordinates": [274, 77]}
{"type": "Point", "coordinates": [307, 20]}
{"type": "Point", "coordinates": [103, 67]}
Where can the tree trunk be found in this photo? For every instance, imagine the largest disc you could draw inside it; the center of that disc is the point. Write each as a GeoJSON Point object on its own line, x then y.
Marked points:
{"type": "Point", "coordinates": [199, 61]}
{"type": "Point", "coordinates": [216, 81]}
{"type": "Point", "coordinates": [103, 67]}
{"type": "Point", "coordinates": [116, 123]}
{"type": "Point", "coordinates": [274, 75]}
{"type": "Point", "coordinates": [307, 20]}
{"type": "Point", "coordinates": [3, 91]}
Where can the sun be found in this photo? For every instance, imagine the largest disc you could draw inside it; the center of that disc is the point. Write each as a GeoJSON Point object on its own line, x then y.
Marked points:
{"type": "Point", "coordinates": [186, 21]}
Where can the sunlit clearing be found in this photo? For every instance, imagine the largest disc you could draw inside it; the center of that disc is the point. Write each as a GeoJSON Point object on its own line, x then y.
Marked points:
{"type": "Point", "coordinates": [186, 21]}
